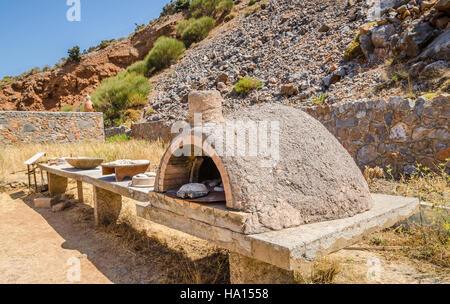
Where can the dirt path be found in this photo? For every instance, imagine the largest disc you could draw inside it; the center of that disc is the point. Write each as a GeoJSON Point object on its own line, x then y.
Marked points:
{"type": "Point", "coordinates": [36, 246]}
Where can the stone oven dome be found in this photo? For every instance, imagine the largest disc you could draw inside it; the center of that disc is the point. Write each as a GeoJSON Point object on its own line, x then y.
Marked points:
{"type": "Point", "coordinates": [315, 179]}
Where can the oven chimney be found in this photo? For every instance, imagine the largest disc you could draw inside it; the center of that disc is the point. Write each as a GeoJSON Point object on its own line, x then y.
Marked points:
{"type": "Point", "coordinates": [207, 103]}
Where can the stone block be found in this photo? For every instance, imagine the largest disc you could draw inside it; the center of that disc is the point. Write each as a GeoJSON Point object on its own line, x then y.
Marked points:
{"type": "Point", "coordinates": [44, 202]}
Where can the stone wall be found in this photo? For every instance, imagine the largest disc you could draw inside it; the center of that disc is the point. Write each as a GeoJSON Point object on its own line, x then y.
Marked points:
{"type": "Point", "coordinates": [399, 132]}
{"type": "Point", "coordinates": [110, 132]}
{"type": "Point", "coordinates": [50, 127]}
{"type": "Point", "coordinates": [151, 131]}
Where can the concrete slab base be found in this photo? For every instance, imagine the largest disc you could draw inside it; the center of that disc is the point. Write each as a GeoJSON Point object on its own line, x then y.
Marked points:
{"type": "Point", "coordinates": [270, 257]}
{"type": "Point", "coordinates": [290, 248]}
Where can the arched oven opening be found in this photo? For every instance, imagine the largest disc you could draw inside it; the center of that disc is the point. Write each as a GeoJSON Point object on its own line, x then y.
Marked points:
{"type": "Point", "coordinates": [177, 171]}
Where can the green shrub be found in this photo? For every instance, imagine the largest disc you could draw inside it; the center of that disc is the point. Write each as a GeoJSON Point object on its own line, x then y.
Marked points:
{"type": "Point", "coordinates": [6, 81]}
{"type": "Point", "coordinates": [117, 138]}
{"type": "Point", "coordinates": [229, 17]}
{"type": "Point", "coordinates": [139, 67]}
{"type": "Point", "coordinates": [74, 54]}
{"type": "Point", "coordinates": [245, 85]}
{"type": "Point", "coordinates": [174, 7]}
{"type": "Point", "coordinates": [181, 5]}
{"type": "Point", "coordinates": [62, 62]}
{"type": "Point", "coordinates": [165, 52]}
{"type": "Point", "coordinates": [211, 8]}
{"type": "Point", "coordinates": [183, 25]}
{"type": "Point", "coordinates": [118, 94]}
{"type": "Point", "coordinates": [224, 7]}
{"type": "Point", "coordinates": [318, 100]}
{"type": "Point", "coordinates": [197, 30]}
{"type": "Point", "coordinates": [251, 2]}
{"type": "Point", "coordinates": [67, 109]}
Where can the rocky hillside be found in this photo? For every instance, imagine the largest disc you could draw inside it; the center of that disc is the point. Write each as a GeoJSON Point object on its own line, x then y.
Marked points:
{"type": "Point", "coordinates": [307, 52]}
{"type": "Point", "coordinates": [49, 91]}
{"type": "Point", "coordinates": [301, 52]}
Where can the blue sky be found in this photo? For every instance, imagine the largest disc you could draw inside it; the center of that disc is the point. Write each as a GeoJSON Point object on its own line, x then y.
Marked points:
{"type": "Point", "coordinates": [34, 33]}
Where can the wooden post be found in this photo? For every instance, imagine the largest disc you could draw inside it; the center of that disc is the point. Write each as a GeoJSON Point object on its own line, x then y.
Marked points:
{"type": "Point", "coordinates": [42, 180]}
{"type": "Point", "coordinates": [80, 192]}
{"type": "Point", "coordinates": [35, 180]}
{"type": "Point", "coordinates": [107, 206]}
{"type": "Point", "coordinates": [29, 177]}
{"type": "Point", "coordinates": [57, 185]}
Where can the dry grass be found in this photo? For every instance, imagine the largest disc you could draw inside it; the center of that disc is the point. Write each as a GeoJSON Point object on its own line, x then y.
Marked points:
{"type": "Point", "coordinates": [321, 271]}
{"type": "Point", "coordinates": [429, 186]}
{"type": "Point", "coordinates": [12, 158]}
{"type": "Point", "coordinates": [181, 269]}
{"type": "Point", "coordinates": [419, 241]}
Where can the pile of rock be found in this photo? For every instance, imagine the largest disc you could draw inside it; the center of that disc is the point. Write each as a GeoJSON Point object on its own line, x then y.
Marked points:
{"type": "Point", "coordinates": [406, 29]}
{"type": "Point", "coordinates": [296, 49]}
{"type": "Point", "coordinates": [290, 46]}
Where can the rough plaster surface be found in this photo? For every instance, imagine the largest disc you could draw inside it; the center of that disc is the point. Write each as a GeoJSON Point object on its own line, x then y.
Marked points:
{"type": "Point", "coordinates": [314, 180]}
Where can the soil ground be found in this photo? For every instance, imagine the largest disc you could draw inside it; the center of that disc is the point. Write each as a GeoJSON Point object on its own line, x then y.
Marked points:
{"type": "Point", "coordinates": [36, 246]}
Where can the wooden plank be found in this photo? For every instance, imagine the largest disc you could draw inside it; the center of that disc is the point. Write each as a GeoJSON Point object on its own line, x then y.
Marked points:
{"type": "Point", "coordinates": [35, 158]}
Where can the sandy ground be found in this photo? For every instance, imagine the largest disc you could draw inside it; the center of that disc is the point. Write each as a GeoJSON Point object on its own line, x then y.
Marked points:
{"type": "Point", "coordinates": [39, 246]}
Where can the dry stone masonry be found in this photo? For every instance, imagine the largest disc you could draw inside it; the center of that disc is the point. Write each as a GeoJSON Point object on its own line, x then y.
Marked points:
{"type": "Point", "coordinates": [399, 132]}
{"type": "Point", "coordinates": [50, 127]}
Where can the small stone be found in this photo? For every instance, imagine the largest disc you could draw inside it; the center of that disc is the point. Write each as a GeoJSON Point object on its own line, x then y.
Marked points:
{"type": "Point", "coordinates": [443, 155]}
{"type": "Point", "coordinates": [409, 170]}
{"type": "Point", "coordinates": [426, 4]}
{"type": "Point", "coordinates": [222, 87]}
{"type": "Point", "coordinates": [443, 5]}
{"type": "Point", "coordinates": [402, 9]}
{"type": "Point", "coordinates": [60, 207]}
{"type": "Point", "coordinates": [419, 133]}
{"type": "Point", "coordinates": [289, 90]}
{"type": "Point", "coordinates": [399, 132]}
{"type": "Point", "coordinates": [222, 77]}
{"type": "Point", "coordinates": [367, 154]}
{"type": "Point", "coordinates": [442, 22]}
{"type": "Point", "coordinates": [324, 28]}
{"type": "Point", "coordinates": [212, 183]}
{"type": "Point", "coordinates": [416, 10]}
{"type": "Point", "coordinates": [382, 34]}
{"type": "Point", "coordinates": [435, 69]}
{"type": "Point", "coordinates": [366, 45]}
{"type": "Point", "coordinates": [219, 189]}
{"type": "Point", "coordinates": [194, 190]}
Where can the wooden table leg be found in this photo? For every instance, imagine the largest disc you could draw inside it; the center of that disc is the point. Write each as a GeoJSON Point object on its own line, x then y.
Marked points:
{"type": "Point", "coordinates": [57, 185]}
{"type": "Point", "coordinates": [107, 206]}
{"type": "Point", "coordinates": [80, 192]}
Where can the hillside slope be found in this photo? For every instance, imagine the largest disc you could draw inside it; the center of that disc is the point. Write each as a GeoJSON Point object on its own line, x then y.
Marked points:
{"type": "Point", "coordinates": [49, 91]}
{"type": "Point", "coordinates": [296, 49]}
